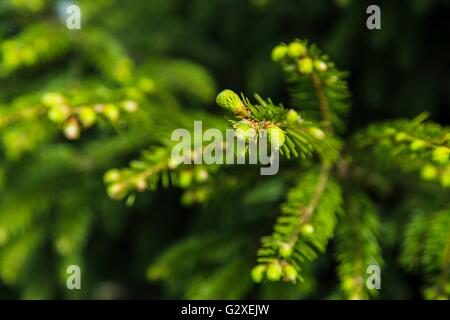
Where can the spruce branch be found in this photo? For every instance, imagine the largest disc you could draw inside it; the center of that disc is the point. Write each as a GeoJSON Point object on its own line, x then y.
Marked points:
{"type": "Point", "coordinates": [308, 219]}
{"type": "Point", "coordinates": [357, 245]}
{"type": "Point", "coordinates": [315, 84]}
{"type": "Point", "coordinates": [322, 101]}
{"type": "Point", "coordinates": [406, 145]}
{"type": "Point", "coordinates": [303, 64]}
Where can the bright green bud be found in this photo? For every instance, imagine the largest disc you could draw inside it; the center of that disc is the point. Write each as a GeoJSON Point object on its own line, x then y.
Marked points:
{"type": "Point", "coordinates": [276, 137]}
{"type": "Point", "coordinates": [348, 283]}
{"type": "Point", "coordinates": [130, 106]}
{"type": "Point", "coordinates": [274, 272]}
{"type": "Point", "coordinates": [174, 162]}
{"type": "Point", "coordinates": [290, 272]}
{"type": "Point", "coordinates": [429, 172]}
{"type": "Point", "coordinates": [401, 136]}
{"type": "Point", "coordinates": [185, 179]}
{"type": "Point", "coordinates": [59, 113]}
{"type": "Point", "coordinates": [279, 53]}
{"type": "Point", "coordinates": [230, 100]}
{"type": "Point", "coordinates": [52, 99]}
{"type": "Point", "coordinates": [417, 145]}
{"type": "Point", "coordinates": [296, 49]}
{"type": "Point", "coordinates": [244, 131]}
{"type": "Point", "coordinates": [116, 191]}
{"type": "Point", "coordinates": [201, 175]}
{"type": "Point", "coordinates": [285, 250]}
{"type": "Point", "coordinates": [389, 131]}
{"type": "Point", "coordinates": [147, 85]}
{"type": "Point", "coordinates": [445, 178]}
{"type": "Point", "coordinates": [111, 112]}
{"type": "Point", "coordinates": [307, 229]}
{"type": "Point", "coordinates": [111, 176]}
{"type": "Point", "coordinates": [320, 66]}
{"type": "Point", "coordinates": [440, 154]}
{"type": "Point", "coordinates": [87, 116]}
{"type": "Point", "coordinates": [258, 272]}
{"type": "Point", "coordinates": [316, 133]}
{"type": "Point", "coordinates": [71, 129]}
{"type": "Point", "coordinates": [140, 184]}
{"type": "Point", "coordinates": [305, 66]}
{"type": "Point", "coordinates": [292, 116]}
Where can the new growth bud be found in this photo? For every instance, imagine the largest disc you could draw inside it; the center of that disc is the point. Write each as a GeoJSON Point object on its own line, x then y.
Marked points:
{"type": "Point", "coordinates": [185, 179]}
{"type": "Point", "coordinates": [296, 49]}
{"type": "Point", "coordinates": [244, 131]}
{"type": "Point", "coordinates": [274, 272]}
{"type": "Point", "coordinates": [285, 250]}
{"type": "Point", "coordinates": [441, 154]}
{"type": "Point", "coordinates": [276, 137]}
{"type": "Point", "coordinates": [417, 145]}
{"type": "Point", "coordinates": [292, 116]}
{"type": "Point", "coordinates": [59, 113]}
{"type": "Point", "coordinates": [112, 175]}
{"type": "Point", "coordinates": [401, 136]}
{"type": "Point", "coordinates": [258, 272]}
{"type": "Point", "coordinates": [307, 230]}
{"type": "Point", "coordinates": [72, 129]}
{"type": "Point", "coordinates": [316, 133]}
{"type": "Point", "coordinates": [140, 184]}
{"type": "Point", "coordinates": [87, 116]}
{"type": "Point", "coordinates": [111, 112]}
{"type": "Point", "coordinates": [146, 85]}
{"type": "Point", "coordinates": [305, 66]}
{"type": "Point", "coordinates": [279, 53]}
{"type": "Point", "coordinates": [130, 106]}
{"type": "Point", "coordinates": [320, 66]}
{"type": "Point", "coordinates": [52, 99]}
{"type": "Point", "coordinates": [229, 100]}
{"type": "Point", "coordinates": [116, 191]}
{"type": "Point", "coordinates": [429, 172]}
{"type": "Point", "coordinates": [290, 273]}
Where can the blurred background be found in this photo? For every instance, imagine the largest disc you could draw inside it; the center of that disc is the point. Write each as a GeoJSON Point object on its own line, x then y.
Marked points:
{"type": "Point", "coordinates": [171, 243]}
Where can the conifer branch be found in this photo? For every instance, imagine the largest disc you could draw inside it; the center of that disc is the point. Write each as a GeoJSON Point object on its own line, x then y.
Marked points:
{"type": "Point", "coordinates": [322, 101]}
{"type": "Point", "coordinates": [357, 245]}
{"type": "Point", "coordinates": [408, 146]}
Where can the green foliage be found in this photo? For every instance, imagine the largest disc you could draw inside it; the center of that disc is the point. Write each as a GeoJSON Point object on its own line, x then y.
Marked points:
{"type": "Point", "coordinates": [358, 246]}
{"type": "Point", "coordinates": [37, 44]}
{"type": "Point", "coordinates": [316, 86]}
{"type": "Point", "coordinates": [297, 138]}
{"type": "Point", "coordinates": [201, 281]}
{"type": "Point", "coordinates": [77, 106]}
{"type": "Point", "coordinates": [308, 219]}
{"type": "Point", "coordinates": [426, 248]}
{"type": "Point", "coordinates": [413, 146]}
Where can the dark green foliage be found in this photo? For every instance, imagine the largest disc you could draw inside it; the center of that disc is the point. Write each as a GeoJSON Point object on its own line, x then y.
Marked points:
{"type": "Point", "coordinates": [81, 109]}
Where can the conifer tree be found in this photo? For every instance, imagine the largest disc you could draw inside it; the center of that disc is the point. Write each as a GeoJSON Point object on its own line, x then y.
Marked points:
{"type": "Point", "coordinates": [86, 151]}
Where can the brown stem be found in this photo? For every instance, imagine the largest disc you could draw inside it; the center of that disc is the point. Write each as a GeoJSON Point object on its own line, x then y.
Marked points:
{"type": "Point", "coordinates": [325, 167]}
{"type": "Point", "coordinates": [322, 101]}
{"type": "Point", "coordinates": [318, 191]}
